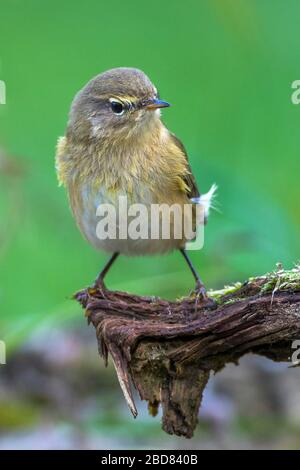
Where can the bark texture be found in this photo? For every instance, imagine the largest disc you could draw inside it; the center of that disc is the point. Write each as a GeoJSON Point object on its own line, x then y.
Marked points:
{"type": "Point", "coordinates": [167, 350]}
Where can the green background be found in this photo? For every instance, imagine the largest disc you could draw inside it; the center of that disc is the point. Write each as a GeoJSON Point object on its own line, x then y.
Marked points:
{"type": "Point", "coordinates": [226, 67]}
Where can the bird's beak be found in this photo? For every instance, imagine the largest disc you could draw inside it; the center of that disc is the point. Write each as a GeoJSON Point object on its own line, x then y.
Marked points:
{"type": "Point", "coordinates": [155, 104]}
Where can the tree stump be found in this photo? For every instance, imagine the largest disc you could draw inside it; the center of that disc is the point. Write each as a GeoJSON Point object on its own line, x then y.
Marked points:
{"type": "Point", "coordinates": [167, 350]}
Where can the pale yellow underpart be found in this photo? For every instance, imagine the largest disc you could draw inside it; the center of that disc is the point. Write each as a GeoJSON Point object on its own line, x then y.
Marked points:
{"type": "Point", "coordinates": [147, 171]}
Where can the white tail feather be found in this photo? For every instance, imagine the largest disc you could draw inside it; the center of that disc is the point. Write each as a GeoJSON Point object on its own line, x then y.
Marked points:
{"type": "Point", "coordinates": [206, 200]}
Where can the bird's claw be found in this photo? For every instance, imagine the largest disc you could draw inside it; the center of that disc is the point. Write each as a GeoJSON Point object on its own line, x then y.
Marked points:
{"type": "Point", "coordinates": [201, 297]}
{"type": "Point", "coordinates": [100, 286]}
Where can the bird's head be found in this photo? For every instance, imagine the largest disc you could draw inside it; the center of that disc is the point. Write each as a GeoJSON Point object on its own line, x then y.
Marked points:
{"type": "Point", "coordinates": [118, 103]}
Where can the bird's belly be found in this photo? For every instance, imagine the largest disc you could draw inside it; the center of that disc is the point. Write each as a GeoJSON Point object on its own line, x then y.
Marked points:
{"type": "Point", "coordinates": [105, 222]}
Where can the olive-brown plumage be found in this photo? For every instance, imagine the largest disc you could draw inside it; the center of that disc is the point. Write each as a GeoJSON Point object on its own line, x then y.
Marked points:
{"type": "Point", "coordinates": [115, 144]}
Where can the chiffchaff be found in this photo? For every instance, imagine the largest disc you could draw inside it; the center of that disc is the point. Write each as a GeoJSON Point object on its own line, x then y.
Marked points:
{"type": "Point", "coordinates": [116, 145]}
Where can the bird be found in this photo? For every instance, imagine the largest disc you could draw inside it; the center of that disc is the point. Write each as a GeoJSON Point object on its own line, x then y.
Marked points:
{"type": "Point", "coordinates": [116, 145]}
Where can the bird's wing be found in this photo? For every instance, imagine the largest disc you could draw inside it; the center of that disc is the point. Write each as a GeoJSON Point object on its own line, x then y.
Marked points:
{"type": "Point", "coordinates": [189, 179]}
{"type": "Point", "coordinates": [193, 192]}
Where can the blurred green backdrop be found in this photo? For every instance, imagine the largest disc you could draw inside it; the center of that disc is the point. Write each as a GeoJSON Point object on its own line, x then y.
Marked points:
{"type": "Point", "coordinates": [225, 65]}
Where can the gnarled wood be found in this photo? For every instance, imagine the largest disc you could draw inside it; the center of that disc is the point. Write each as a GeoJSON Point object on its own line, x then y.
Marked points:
{"type": "Point", "coordinates": [168, 349]}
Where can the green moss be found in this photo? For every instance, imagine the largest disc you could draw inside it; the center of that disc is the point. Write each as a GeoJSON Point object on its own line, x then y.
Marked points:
{"type": "Point", "coordinates": [282, 280]}
{"type": "Point", "coordinates": [278, 280]}
{"type": "Point", "coordinates": [218, 294]}
{"type": "Point", "coordinates": [275, 281]}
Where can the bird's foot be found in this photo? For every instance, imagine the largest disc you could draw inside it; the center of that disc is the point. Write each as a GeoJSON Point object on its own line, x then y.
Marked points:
{"type": "Point", "coordinates": [99, 286]}
{"type": "Point", "coordinates": [201, 297]}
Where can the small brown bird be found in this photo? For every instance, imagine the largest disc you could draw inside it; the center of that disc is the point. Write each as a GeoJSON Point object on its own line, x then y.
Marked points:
{"type": "Point", "coordinates": [116, 145]}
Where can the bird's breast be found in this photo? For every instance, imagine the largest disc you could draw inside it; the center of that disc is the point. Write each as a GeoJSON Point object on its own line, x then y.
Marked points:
{"type": "Point", "coordinates": [121, 220]}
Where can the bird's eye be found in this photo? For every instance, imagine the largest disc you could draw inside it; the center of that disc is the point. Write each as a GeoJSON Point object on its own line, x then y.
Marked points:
{"type": "Point", "coordinates": [117, 107]}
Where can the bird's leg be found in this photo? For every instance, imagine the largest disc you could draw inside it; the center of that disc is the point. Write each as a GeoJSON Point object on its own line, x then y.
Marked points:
{"type": "Point", "coordinates": [200, 289]}
{"type": "Point", "coordinates": [99, 283]}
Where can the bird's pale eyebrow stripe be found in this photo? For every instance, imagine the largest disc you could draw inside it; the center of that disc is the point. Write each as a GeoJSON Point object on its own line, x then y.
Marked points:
{"type": "Point", "coordinates": [116, 97]}
{"type": "Point", "coordinates": [113, 98]}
